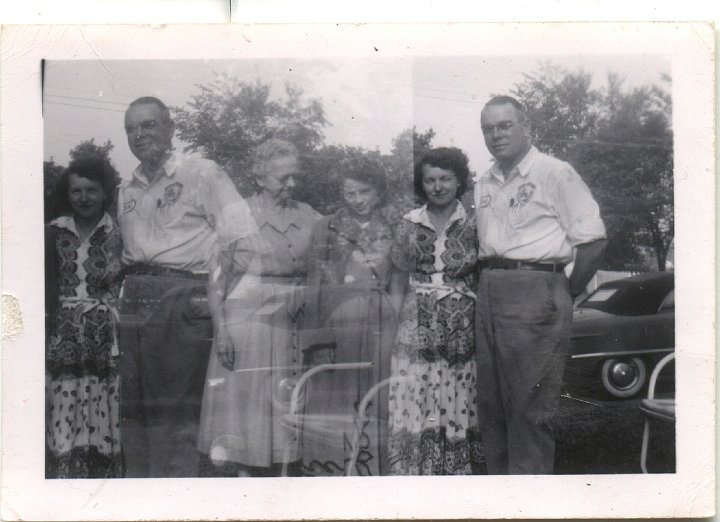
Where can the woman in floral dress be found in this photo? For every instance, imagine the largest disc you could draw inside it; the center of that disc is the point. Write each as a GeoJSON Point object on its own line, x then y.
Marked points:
{"type": "Point", "coordinates": [81, 359]}
{"type": "Point", "coordinates": [433, 420]}
{"type": "Point", "coordinates": [349, 268]}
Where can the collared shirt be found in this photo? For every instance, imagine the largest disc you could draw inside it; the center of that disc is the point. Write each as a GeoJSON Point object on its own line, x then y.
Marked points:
{"type": "Point", "coordinates": [89, 267]}
{"type": "Point", "coordinates": [176, 220]}
{"type": "Point", "coordinates": [68, 223]}
{"type": "Point", "coordinates": [441, 261]}
{"type": "Point", "coordinates": [420, 216]}
{"type": "Point", "coordinates": [287, 231]}
{"type": "Point", "coordinates": [539, 214]}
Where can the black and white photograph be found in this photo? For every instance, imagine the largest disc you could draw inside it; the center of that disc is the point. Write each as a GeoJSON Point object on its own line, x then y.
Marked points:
{"type": "Point", "coordinates": [333, 271]}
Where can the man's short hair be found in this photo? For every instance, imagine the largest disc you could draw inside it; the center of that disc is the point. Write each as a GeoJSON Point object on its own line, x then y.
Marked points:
{"type": "Point", "coordinates": [504, 100]}
{"type": "Point", "coordinates": [270, 150]}
{"type": "Point", "coordinates": [151, 100]}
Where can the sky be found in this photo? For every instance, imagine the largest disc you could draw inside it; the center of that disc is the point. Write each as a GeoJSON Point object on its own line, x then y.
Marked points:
{"type": "Point", "coordinates": [367, 102]}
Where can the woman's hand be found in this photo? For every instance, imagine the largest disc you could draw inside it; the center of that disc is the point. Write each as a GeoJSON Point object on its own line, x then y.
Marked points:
{"type": "Point", "coordinates": [224, 348]}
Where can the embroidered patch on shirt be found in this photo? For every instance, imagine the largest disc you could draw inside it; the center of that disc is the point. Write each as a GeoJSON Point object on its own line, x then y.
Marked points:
{"type": "Point", "coordinates": [525, 193]}
{"type": "Point", "coordinates": [484, 201]}
{"type": "Point", "coordinates": [128, 206]}
{"type": "Point", "coordinates": [172, 195]}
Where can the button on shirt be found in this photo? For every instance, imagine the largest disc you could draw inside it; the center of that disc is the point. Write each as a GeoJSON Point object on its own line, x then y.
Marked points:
{"type": "Point", "coordinates": [538, 215]}
{"type": "Point", "coordinates": [176, 220]}
{"type": "Point", "coordinates": [287, 230]}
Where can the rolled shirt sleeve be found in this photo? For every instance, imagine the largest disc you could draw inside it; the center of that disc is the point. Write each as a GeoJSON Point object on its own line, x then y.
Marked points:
{"type": "Point", "coordinates": [577, 210]}
{"type": "Point", "coordinates": [227, 212]}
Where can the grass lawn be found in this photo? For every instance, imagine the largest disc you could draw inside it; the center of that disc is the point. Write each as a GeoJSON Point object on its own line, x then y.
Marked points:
{"type": "Point", "coordinates": [595, 437]}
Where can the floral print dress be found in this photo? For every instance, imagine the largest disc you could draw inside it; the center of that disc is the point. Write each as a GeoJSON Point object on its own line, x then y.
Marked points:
{"type": "Point", "coordinates": [349, 270]}
{"type": "Point", "coordinates": [81, 362]}
{"type": "Point", "coordinates": [433, 421]}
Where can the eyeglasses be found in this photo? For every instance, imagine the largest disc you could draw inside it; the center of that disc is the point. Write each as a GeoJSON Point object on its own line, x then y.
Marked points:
{"type": "Point", "coordinates": [145, 126]}
{"type": "Point", "coordinates": [503, 126]}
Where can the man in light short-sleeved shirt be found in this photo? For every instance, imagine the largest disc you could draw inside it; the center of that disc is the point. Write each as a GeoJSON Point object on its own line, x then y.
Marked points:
{"type": "Point", "coordinates": [175, 214]}
{"type": "Point", "coordinates": [177, 221]}
{"type": "Point", "coordinates": [534, 215]}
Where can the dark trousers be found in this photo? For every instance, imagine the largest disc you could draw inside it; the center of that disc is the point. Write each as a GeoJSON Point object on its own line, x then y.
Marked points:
{"type": "Point", "coordinates": [165, 339]}
{"type": "Point", "coordinates": [522, 321]}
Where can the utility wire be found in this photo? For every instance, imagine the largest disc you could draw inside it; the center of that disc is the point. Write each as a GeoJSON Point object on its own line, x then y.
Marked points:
{"type": "Point", "coordinates": [80, 98]}
{"type": "Point", "coordinates": [50, 102]}
{"type": "Point", "coordinates": [652, 142]}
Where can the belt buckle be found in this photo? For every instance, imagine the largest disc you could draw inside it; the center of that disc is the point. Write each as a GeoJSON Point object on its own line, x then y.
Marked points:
{"type": "Point", "coordinates": [502, 264]}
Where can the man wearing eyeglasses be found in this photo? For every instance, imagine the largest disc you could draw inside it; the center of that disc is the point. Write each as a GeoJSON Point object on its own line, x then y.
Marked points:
{"type": "Point", "coordinates": [176, 213]}
{"type": "Point", "coordinates": [535, 215]}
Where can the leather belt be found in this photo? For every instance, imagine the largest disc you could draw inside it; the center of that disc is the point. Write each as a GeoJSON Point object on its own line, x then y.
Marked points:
{"type": "Point", "coordinates": [156, 270]}
{"type": "Point", "coordinates": [513, 264]}
{"type": "Point", "coordinates": [282, 280]}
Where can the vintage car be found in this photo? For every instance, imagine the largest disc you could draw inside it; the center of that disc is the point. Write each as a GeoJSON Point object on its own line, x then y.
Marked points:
{"type": "Point", "coordinates": [619, 333]}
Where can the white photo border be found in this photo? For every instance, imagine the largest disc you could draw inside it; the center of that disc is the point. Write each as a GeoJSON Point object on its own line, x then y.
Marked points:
{"type": "Point", "coordinates": [688, 492]}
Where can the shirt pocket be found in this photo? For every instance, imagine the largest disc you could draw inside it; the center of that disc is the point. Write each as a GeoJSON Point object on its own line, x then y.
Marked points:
{"type": "Point", "coordinates": [526, 206]}
{"type": "Point", "coordinates": [517, 216]}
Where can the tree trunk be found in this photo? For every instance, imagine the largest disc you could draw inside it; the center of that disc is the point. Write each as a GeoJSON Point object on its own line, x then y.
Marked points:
{"type": "Point", "coordinates": [659, 246]}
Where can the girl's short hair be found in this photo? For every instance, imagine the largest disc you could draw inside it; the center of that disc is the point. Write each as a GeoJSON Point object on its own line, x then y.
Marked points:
{"type": "Point", "coordinates": [366, 170]}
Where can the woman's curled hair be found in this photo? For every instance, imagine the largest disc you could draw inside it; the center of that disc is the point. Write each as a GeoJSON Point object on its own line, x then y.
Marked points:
{"type": "Point", "coordinates": [96, 168]}
{"type": "Point", "coordinates": [448, 158]}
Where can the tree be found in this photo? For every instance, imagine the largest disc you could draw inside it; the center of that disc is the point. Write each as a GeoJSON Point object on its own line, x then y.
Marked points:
{"type": "Point", "coordinates": [629, 161]}
{"type": "Point", "coordinates": [561, 107]}
{"type": "Point", "coordinates": [230, 118]}
{"type": "Point", "coordinates": [408, 147]}
{"type": "Point", "coordinates": [88, 148]}
{"type": "Point", "coordinates": [52, 201]}
{"type": "Point", "coordinates": [620, 141]}
{"type": "Point", "coordinates": [319, 184]}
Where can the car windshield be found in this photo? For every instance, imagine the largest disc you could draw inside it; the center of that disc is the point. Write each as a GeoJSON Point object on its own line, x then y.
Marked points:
{"type": "Point", "coordinates": [628, 298]}
{"type": "Point", "coordinates": [668, 303]}
{"type": "Point", "coordinates": [601, 295]}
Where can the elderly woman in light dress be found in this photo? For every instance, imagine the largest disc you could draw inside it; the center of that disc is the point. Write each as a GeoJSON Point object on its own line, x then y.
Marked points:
{"type": "Point", "coordinates": [258, 307]}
